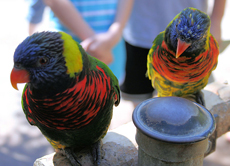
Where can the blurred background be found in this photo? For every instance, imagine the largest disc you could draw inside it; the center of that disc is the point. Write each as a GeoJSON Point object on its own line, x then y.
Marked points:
{"type": "Point", "coordinates": [20, 143]}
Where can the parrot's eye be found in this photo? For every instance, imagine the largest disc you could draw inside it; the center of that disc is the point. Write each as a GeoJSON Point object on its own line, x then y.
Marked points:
{"type": "Point", "coordinates": [17, 65]}
{"type": "Point", "coordinates": [43, 60]}
{"type": "Point", "coordinates": [182, 38]}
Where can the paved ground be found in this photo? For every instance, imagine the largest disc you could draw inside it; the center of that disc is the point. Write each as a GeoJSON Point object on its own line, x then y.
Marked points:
{"type": "Point", "coordinates": [20, 143]}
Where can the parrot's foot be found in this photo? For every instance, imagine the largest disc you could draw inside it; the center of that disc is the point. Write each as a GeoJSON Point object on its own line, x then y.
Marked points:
{"type": "Point", "coordinates": [69, 153]}
{"type": "Point", "coordinates": [200, 98]}
{"type": "Point", "coordinates": [196, 97]}
{"type": "Point", "coordinates": [96, 153]}
{"type": "Point", "coordinates": [77, 156]}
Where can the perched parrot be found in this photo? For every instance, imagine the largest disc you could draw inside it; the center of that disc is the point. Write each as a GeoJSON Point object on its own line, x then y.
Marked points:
{"type": "Point", "coordinates": [69, 95]}
{"type": "Point", "coordinates": [183, 56]}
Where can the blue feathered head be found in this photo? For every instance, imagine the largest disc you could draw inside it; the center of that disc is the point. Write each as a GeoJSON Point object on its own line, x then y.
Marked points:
{"type": "Point", "coordinates": [188, 31]}
{"type": "Point", "coordinates": [39, 60]}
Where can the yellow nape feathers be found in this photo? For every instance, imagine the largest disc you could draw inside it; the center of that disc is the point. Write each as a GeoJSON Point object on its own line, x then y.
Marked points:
{"type": "Point", "coordinates": [72, 54]}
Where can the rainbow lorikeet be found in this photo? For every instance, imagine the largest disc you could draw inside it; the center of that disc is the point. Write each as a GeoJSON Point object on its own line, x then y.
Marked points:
{"type": "Point", "coordinates": [69, 95]}
{"type": "Point", "coordinates": [183, 56]}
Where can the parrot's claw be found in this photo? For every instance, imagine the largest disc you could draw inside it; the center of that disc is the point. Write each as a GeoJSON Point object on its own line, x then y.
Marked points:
{"type": "Point", "coordinates": [200, 98]}
{"type": "Point", "coordinates": [95, 150]}
{"type": "Point", "coordinates": [69, 153]}
{"type": "Point", "coordinates": [96, 153]}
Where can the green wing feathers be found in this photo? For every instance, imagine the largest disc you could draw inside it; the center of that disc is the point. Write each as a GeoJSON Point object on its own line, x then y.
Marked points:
{"type": "Point", "coordinates": [156, 44]}
{"type": "Point", "coordinates": [114, 81]}
{"type": "Point", "coordinates": [93, 63]}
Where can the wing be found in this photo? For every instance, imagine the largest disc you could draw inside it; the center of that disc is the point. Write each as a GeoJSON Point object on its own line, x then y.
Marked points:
{"type": "Point", "coordinates": [105, 71]}
{"type": "Point", "coordinates": [25, 106]}
{"type": "Point", "coordinates": [154, 49]}
{"type": "Point", "coordinates": [214, 52]}
{"type": "Point", "coordinates": [93, 64]}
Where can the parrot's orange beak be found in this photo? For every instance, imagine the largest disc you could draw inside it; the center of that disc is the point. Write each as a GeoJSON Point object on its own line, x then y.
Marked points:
{"type": "Point", "coordinates": [18, 76]}
{"type": "Point", "coordinates": [181, 47]}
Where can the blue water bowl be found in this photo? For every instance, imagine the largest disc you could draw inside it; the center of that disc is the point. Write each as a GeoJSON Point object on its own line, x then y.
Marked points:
{"type": "Point", "coordinates": [173, 119]}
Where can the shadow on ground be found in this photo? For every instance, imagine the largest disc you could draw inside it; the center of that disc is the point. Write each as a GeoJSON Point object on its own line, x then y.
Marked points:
{"type": "Point", "coordinates": [22, 144]}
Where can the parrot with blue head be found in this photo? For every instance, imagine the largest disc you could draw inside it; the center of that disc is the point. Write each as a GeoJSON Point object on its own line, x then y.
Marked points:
{"type": "Point", "coordinates": [183, 56]}
{"type": "Point", "coordinates": [69, 95]}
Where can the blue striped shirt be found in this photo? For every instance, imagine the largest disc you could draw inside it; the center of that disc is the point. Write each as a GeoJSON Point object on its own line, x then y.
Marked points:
{"type": "Point", "coordinates": [99, 14]}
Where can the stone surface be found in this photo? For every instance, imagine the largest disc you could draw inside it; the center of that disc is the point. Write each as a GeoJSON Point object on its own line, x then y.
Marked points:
{"type": "Point", "coordinates": [118, 155]}
{"type": "Point", "coordinates": [120, 152]}
{"type": "Point", "coordinates": [124, 135]}
{"type": "Point", "coordinates": [211, 95]}
{"type": "Point", "coordinates": [45, 160]}
{"type": "Point", "coordinates": [224, 93]}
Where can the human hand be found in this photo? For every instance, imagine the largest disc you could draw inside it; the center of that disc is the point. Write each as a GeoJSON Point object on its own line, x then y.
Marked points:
{"type": "Point", "coordinates": [100, 46]}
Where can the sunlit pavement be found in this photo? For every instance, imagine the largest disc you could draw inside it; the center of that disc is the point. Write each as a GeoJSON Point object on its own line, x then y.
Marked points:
{"type": "Point", "coordinates": [20, 143]}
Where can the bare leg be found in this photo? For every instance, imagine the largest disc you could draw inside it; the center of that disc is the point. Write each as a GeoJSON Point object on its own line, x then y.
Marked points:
{"type": "Point", "coordinates": [200, 98]}
{"type": "Point", "coordinates": [96, 153]}
{"type": "Point", "coordinates": [197, 97]}
{"type": "Point", "coordinates": [69, 153]}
